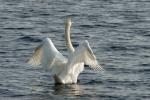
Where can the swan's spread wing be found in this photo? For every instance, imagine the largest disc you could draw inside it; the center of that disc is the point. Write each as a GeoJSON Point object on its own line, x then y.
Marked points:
{"type": "Point", "coordinates": [35, 60]}
{"type": "Point", "coordinates": [84, 53]}
{"type": "Point", "coordinates": [47, 55]}
{"type": "Point", "coordinates": [90, 58]}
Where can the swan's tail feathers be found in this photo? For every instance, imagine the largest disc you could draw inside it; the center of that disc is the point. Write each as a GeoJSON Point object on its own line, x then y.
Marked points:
{"type": "Point", "coordinates": [35, 59]}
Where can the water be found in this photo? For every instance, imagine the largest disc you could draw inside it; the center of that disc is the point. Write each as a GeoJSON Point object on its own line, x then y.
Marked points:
{"type": "Point", "coordinates": [117, 30]}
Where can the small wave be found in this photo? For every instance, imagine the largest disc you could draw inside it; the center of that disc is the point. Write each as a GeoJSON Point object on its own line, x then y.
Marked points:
{"type": "Point", "coordinates": [145, 64]}
{"type": "Point", "coordinates": [117, 48]}
{"type": "Point", "coordinates": [44, 14]}
{"type": "Point", "coordinates": [109, 97]}
{"type": "Point", "coordinates": [3, 52]}
{"type": "Point", "coordinates": [87, 26]}
{"type": "Point", "coordinates": [18, 28]}
{"type": "Point", "coordinates": [71, 15]}
{"type": "Point", "coordinates": [144, 70]}
{"type": "Point", "coordinates": [29, 39]}
{"type": "Point", "coordinates": [10, 93]}
{"type": "Point", "coordinates": [146, 34]}
{"type": "Point", "coordinates": [144, 46]}
{"type": "Point", "coordinates": [94, 82]}
{"type": "Point", "coordinates": [6, 92]}
{"type": "Point", "coordinates": [126, 47]}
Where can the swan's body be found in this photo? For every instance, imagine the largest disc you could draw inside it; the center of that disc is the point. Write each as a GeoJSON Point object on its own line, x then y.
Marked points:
{"type": "Point", "coordinates": [65, 70]}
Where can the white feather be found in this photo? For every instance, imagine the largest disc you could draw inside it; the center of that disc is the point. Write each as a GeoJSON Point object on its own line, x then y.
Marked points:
{"type": "Point", "coordinates": [47, 55]}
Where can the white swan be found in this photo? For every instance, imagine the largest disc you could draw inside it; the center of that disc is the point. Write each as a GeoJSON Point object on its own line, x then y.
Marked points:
{"type": "Point", "coordinates": [65, 70]}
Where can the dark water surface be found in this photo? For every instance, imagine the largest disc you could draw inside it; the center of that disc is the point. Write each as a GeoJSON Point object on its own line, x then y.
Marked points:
{"type": "Point", "coordinates": [117, 30]}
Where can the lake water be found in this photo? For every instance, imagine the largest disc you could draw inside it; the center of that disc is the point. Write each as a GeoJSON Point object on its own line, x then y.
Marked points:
{"type": "Point", "coordinates": [118, 32]}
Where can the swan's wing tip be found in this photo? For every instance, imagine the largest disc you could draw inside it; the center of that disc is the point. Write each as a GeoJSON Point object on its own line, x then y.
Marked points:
{"type": "Point", "coordinates": [35, 59]}
{"type": "Point", "coordinates": [97, 68]}
{"type": "Point", "coordinates": [32, 62]}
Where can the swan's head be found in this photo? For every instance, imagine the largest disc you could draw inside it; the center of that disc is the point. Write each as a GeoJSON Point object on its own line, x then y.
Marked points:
{"type": "Point", "coordinates": [69, 22]}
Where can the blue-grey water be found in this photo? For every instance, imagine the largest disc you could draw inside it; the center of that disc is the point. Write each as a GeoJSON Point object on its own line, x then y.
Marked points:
{"type": "Point", "coordinates": [117, 30]}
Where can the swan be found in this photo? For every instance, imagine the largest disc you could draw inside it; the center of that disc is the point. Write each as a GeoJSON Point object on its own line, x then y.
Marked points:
{"type": "Point", "coordinates": [65, 70]}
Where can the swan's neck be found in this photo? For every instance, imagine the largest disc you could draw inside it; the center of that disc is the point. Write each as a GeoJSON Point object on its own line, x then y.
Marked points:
{"type": "Point", "coordinates": [68, 40]}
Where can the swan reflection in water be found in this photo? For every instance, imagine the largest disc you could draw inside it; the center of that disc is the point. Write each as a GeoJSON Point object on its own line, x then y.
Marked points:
{"type": "Point", "coordinates": [50, 89]}
{"type": "Point", "coordinates": [71, 90]}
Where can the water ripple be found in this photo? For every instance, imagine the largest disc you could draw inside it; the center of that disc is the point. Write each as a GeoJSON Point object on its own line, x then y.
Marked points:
{"type": "Point", "coordinates": [29, 39]}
